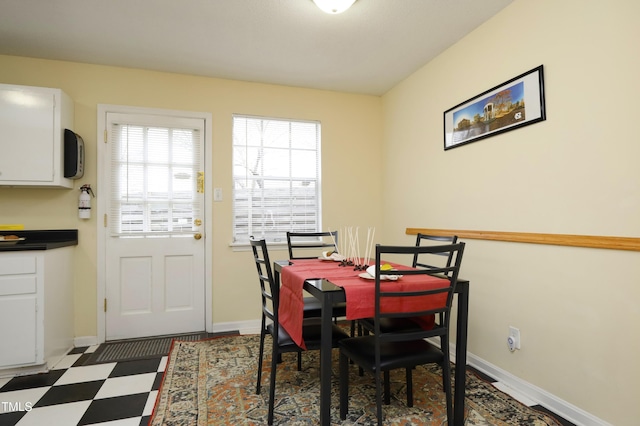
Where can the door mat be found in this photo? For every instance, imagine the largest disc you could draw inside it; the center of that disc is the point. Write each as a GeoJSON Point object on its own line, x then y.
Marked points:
{"type": "Point", "coordinates": [129, 350]}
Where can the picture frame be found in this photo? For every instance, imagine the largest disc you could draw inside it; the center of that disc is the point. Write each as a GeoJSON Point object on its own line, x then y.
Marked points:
{"type": "Point", "coordinates": [513, 104]}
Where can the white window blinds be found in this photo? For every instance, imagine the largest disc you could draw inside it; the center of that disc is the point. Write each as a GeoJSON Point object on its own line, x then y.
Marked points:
{"type": "Point", "coordinates": [276, 177]}
{"type": "Point", "coordinates": [154, 172]}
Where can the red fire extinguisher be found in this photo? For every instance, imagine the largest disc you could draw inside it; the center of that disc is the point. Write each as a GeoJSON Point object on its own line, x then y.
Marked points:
{"type": "Point", "coordinates": [84, 203]}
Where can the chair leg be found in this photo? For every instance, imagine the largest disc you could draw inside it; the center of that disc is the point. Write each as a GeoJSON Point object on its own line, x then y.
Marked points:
{"type": "Point", "coordinates": [378, 397]}
{"type": "Point", "coordinates": [272, 385]}
{"type": "Point", "coordinates": [360, 333]}
{"type": "Point", "coordinates": [387, 388]}
{"type": "Point", "coordinates": [444, 347]}
{"type": "Point", "coordinates": [446, 380]}
{"type": "Point", "coordinates": [409, 387]}
{"type": "Point", "coordinates": [344, 386]}
{"type": "Point", "coordinates": [260, 358]}
{"type": "Point", "coordinates": [449, 398]}
{"type": "Point", "coordinates": [299, 360]}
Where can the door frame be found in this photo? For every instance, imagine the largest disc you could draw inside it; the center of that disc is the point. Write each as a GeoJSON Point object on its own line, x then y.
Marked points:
{"type": "Point", "coordinates": [100, 210]}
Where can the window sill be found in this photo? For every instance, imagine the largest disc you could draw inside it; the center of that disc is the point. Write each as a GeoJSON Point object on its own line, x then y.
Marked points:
{"type": "Point", "coordinates": [247, 247]}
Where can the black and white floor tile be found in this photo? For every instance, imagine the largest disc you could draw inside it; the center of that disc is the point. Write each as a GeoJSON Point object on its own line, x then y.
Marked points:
{"type": "Point", "coordinates": [114, 394]}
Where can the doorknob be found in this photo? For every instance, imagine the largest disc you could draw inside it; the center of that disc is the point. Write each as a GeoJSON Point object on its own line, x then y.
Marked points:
{"type": "Point", "coordinates": [197, 222]}
{"type": "Point", "coordinates": [197, 236]}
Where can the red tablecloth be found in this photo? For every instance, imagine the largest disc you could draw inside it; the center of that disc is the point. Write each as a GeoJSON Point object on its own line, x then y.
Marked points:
{"type": "Point", "coordinates": [359, 292]}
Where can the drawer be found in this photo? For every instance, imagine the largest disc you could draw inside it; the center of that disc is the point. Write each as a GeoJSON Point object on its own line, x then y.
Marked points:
{"type": "Point", "coordinates": [15, 265]}
{"type": "Point", "coordinates": [17, 284]}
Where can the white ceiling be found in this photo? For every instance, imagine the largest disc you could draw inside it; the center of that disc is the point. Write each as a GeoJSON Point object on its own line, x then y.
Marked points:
{"type": "Point", "coordinates": [367, 49]}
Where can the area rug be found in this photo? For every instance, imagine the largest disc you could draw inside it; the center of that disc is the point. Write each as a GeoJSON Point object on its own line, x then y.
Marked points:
{"type": "Point", "coordinates": [213, 382]}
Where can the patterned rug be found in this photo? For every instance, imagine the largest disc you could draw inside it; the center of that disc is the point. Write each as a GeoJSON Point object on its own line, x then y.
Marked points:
{"type": "Point", "coordinates": [213, 382]}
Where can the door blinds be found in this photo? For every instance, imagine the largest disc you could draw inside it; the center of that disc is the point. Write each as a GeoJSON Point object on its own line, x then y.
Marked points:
{"type": "Point", "coordinates": [154, 173]}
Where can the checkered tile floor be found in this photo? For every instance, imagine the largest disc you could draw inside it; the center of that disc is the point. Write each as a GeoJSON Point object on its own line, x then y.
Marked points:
{"type": "Point", "coordinates": [122, 393]}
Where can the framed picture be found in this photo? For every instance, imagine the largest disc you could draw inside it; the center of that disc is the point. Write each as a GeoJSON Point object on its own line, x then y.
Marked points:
{"type": "Point", "coordinates": [510, 105]}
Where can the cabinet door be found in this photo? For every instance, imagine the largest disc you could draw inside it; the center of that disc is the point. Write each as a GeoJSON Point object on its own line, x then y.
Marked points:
{"type": "Point", "coordinates": [26, 135]}
{"type": "Point", "coordinates": [19, 327]}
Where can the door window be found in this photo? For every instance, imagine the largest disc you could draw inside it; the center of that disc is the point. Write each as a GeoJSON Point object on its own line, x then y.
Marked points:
{"type": "Point", "coordinates": [154, 176]}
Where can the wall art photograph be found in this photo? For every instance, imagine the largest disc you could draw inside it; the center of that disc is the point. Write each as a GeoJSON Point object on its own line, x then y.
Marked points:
{"type": "Point", "coordinates": [512, 104]}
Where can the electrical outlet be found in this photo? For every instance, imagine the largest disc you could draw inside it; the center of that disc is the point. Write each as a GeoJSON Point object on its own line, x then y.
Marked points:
{"type": "Point", "coordinates": [513, 341]}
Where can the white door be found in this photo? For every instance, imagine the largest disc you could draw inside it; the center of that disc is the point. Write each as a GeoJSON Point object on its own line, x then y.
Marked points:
{"type": "Point", "coordinates": [154, 242]}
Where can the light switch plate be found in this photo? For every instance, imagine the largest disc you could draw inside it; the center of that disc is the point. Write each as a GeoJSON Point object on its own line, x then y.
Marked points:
{"type": "Point", "coordinates": [217, 194]}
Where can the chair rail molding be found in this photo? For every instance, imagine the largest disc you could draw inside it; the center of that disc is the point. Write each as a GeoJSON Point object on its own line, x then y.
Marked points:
{"type": "Point", "coordinates": [589, 241]}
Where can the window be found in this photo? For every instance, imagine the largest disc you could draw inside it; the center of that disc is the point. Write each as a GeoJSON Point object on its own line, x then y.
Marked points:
{"type": "Point", "coordinates": [276, 178]}
{"type": "Point", "coordinates": [154, 172]}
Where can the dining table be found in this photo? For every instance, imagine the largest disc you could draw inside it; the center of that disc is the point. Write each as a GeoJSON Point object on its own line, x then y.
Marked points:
{"type": "Point", "coordinates": [331, 284]}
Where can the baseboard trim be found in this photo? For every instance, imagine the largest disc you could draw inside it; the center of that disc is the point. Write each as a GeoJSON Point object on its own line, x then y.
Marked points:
{"type": "Point", "coordinates": [243, 327]}
{"type": "Point", "coordinates": [23, 371]}
{"type": "Point", "coordinates": [549, 401]}
{"type": "Point", "coordinates": [83, 341]}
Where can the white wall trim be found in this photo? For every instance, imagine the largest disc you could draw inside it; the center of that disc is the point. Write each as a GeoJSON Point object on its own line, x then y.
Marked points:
{"type": "Point", "coordinates": [83, 341]}
{"type": "Point", "coordinates": [23, 371]}
{"type": "Point", "coordinates": [244, 327]}
{"type": "Point", "coordinates": [549, 401]}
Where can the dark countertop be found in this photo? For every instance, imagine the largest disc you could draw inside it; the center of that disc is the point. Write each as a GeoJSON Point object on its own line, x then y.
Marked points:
{"type": "Point", "coordinates": [41, 240]}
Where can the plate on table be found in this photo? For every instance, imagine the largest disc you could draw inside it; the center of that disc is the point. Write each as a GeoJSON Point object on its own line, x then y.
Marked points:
{"type": "Point", "coordinates": [5, 242]}
{"type": "Point", "coordinates": [368, 276]}
{"type": "Point", "coordinates": [335, 257]}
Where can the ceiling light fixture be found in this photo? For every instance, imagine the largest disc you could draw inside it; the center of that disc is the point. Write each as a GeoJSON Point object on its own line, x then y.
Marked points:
{"type": "Point", "coordinates": [334, 6]}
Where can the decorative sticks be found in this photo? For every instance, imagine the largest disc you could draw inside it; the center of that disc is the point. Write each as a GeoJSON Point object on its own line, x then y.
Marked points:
{"type": "Point", "coordinates": [335, 244]}
{"type": "Point", "coordinates": [369, 248]}
{"type": "Point", "coordinates": [350, 248]}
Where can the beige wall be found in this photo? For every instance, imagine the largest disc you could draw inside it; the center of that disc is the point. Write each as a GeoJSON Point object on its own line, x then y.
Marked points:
{"type": "Point", "coordinates": [575, 173]}
{"type": "Point", "coordinates": [351, 140]}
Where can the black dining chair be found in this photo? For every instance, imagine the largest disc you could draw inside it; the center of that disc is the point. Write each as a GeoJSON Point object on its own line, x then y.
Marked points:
{"type": "Point", "coordinates": [299, 245]}
{"type": "Point", "coordinates": [431, 260]}
{"type": "Point", "coordinates": [384, 351]}
{"type": "Point", "coordinates": [435, 259]}
{"type": "Point", "coordinates": [281, 341]}
{"type": "Point", "coordinates": [310, 245]}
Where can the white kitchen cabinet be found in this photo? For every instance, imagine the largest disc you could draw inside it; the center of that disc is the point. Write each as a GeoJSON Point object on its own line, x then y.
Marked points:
{"type": "Point", "coordinates": [36, 307]}
{"type": "Point", "coordinates": [21, 294]}
{"type": "Point", "coordinates": [32, 123]}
